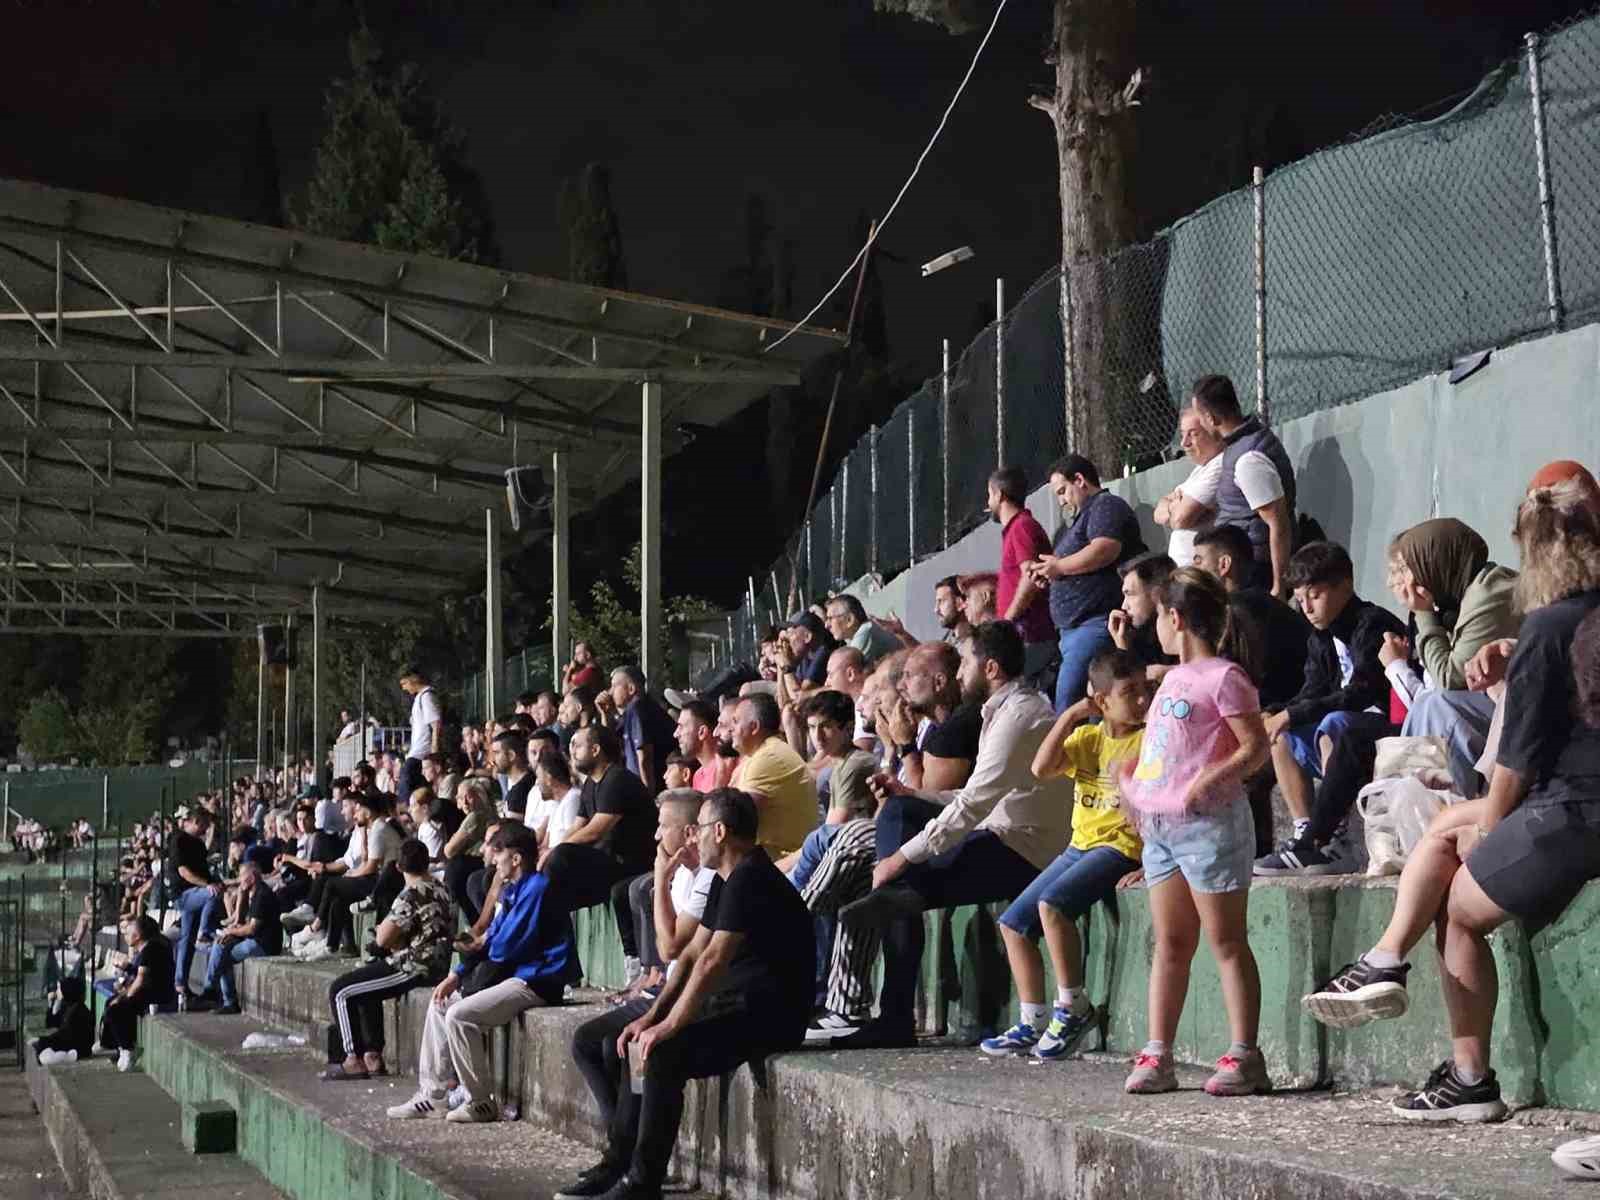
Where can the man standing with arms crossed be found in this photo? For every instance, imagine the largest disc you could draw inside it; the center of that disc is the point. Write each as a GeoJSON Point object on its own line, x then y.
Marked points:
{"type": "Point", "coordinates": [427, 729]}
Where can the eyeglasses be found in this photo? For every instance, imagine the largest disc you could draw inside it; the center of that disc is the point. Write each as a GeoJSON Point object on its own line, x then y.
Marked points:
{"type": "Point", "coordinates": [699, 825]}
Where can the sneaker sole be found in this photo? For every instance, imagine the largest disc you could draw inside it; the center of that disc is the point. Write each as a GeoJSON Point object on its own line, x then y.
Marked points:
{"type": "Point", "coordinates": [1466, 1114]}
{"type": "Point", "coordinates": [1347, 1010]}
{"type": "Point", "coordinates": [1243, 1088]}
{"type": "Point", "coordinates": [816, 1037]}
{"type": "Point", "coordinates": [1067, 1046]}
{"type": "Point", "coordinates": [1153, 1087]}
{"type": "Point", "coordinates": [408, 1115]}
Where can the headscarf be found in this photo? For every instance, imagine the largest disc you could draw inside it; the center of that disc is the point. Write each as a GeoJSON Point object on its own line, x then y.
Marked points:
{"type": "Point", "coordinates": [1444, 555]}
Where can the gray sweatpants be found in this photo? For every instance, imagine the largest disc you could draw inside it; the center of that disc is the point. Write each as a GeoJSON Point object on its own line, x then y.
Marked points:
{"type": "Point", "coordinates": [455, 1037]}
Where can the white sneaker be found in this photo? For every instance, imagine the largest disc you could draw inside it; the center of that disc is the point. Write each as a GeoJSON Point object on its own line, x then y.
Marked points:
{"type": "Point", "coordinates": [125, 1060]}
{"type": "Point", "coordinates": [632, 971]}
{"type": "Point", "coordinates": [829, 1027]}
{"type": "Point", "coordinates": [476, 1113]}
{"type": "Point", "coordinates": [1579, 1159]}
{"type": "Point", "coordinates": [420, 1107]}
{"type": "Point", "coordinates": [316, 952]}
{"type": "Point", "coordinates": [302, 912]}
{"type": "Point", "coordinates": [47, 1057]}
{"type": "Point", "coordinates": [362, 905]}
{"type": "Point", "coordinates": [456, 1097]}
{"type": "Point", "coordinates": [304, 936]}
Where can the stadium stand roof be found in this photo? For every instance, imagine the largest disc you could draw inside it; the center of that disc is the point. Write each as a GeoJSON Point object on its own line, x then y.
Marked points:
{"type": "Point", "coordinates": [202, 419]}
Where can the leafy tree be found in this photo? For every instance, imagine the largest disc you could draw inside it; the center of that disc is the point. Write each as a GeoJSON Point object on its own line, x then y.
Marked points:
{"type": "Point", "coordinates": [46, 729]}
{"type": "Point", "coordinates": [610, 623]}
{"type": "Point", "coordinates": [594, 236]}
{"type": "Point", "coordinates": [391, 169]}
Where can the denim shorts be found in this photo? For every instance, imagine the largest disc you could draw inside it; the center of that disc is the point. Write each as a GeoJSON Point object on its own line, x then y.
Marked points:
{"type": "Point", "coordinates": [1303, 740]}
{"type": "Point", "coordinates": [1072, 884]}
{"type": "Point", "coordinates": [1214, 850]}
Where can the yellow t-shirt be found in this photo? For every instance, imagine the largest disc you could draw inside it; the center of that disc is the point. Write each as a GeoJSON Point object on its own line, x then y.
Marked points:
{"type": "Point", "coordinates": [790, 811]}
{"type": "Point", "coordinates": [1093, 764]}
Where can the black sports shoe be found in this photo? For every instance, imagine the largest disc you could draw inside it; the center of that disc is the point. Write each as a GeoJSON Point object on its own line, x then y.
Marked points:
{"type": "Point", "coordinates": [595, 1181]}
{"type": "Point", "coordinates": [1360, 993]}
{"type": "Point", "coordinates": [1446, 1098]}
{"type": "Point", "coordinates": [875, 1036]}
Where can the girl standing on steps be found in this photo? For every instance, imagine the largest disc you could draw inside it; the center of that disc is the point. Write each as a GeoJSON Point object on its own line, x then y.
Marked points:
{"type": "Point", "coordinates": [1203, 737]}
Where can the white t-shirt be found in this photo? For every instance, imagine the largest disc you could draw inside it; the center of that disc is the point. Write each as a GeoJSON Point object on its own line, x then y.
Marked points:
{"type": "Point", "coordinates": [424, 713]}
{"type": "Point", "coordinates": [330, 816]}
{"type": "Point", "coordinates": [356, 852]}
{"type": "Point", "coordinates": [1258, 479]}
{"type": "Point", "coordinates": [563, 818]}
{"type": "Point", "coordinates": [690, 890]}
{"type": "Point", "coordinates": [383, 843]}
{"type": "Point", "coordinates": [1201, 487]}
{"type": "Point", "coordinates": [431, 834]}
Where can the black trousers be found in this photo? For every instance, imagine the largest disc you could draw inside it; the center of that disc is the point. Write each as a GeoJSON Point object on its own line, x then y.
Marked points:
{"type": "Point", "coordinates": [389, 886]}
{"type": "Point", "coordinates": [119, 1027]}
{"type": "Point", "coordinates": [1349, 769]}
{"type": "Point", "coordinates": [594, 1049]}
{"type": "Point", "coordinates": [644, 1128]}
{"type": "Point", "coordinates": [456, 873]}
{"type": "Point", "coordinates": [337, 897]}
{"type": "Point", "coordinates": [584, 876]}
{"type": "Point", "coordinates": [410, 780]}
{"type": "Point", "coordinates": [356, 1001]}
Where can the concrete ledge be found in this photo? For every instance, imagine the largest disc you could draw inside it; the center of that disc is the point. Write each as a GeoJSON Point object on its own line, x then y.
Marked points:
{"type": "Point", "coordinates": [116, 1137]}
{"type": "Point", "coordinates": [858, 1126]}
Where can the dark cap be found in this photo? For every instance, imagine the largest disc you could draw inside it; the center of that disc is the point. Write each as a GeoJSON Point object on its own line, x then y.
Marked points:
{"type": "Point", "coordinates": [807, 619]}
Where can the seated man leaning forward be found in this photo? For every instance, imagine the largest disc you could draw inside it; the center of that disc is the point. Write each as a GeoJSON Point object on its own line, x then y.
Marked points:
{"type": "Point", "coordinates": [741, 990]}
{"type": "Point", "coordinates": [523, 960]}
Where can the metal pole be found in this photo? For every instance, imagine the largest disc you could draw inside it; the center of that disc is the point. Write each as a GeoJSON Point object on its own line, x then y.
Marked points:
{"type": "Point", "coordinates": [911, 481]}
{"type": "Point", "coordinates": [1547, 206]}
{"type": "Point", "coordinates": [494, 629]}
{"type": "Point", "coordinates": [318, 750]}
{"type": "Point", "coordinates": [105, 800]}
{"type": "Point", "coordinates": [288, 707]}
{"type": "Point", "coordinates": [805, 589]}
{"type": "Point", "coordinates": [1000, 372]}
{"type": "Point", "coordinates": [755, 620]}
{"type": "Point", "coordinates": [560, 578]}
{"type": "Point", "coordinates": [363, 742]}
{"type": "Point", "coordinates": [1258, 189]}
{"type": "Point", "coordinates": [944, 439]}
{"type": "Point", "coordinates": [652, 645]}
{"type": "Point", "coordinates": [872, 501]}
{"type": "Point", "coordinates": [777, 596]}
{"type": "Point", "coordinates": [844, 525]}
{"type": "Point", "coordinates": [5, 813]}
{"type": "Point", "coordinates": [261, 710]}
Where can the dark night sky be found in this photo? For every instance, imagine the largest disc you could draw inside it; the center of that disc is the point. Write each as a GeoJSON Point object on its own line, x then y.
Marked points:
{"type": "Point", "coordinates": [821, 105]}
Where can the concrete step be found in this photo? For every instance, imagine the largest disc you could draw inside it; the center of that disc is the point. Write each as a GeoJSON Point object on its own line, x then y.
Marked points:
{"type": "Point", "coordinates": [117, 1137]}
{"type": "Point", "coordinates": [943, 1122]}
{"type": "Point", "coordinates": [332, 1141]}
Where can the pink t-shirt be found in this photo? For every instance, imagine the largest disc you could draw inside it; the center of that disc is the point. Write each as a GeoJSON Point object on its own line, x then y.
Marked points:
{"type": "Point", "coordinates": [1186, 731]}
{"type": "Point", "coordinates": [1022, 541]}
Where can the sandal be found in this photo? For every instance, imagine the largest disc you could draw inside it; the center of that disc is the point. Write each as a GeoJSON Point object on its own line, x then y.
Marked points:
{"type": "Point", "coordinates": [335, 1072]}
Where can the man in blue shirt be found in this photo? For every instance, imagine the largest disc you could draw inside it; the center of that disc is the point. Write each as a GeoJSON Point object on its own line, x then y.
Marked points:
{"type": "Point", "coordinates": [1082, 572]}
{"type": "Point", "coordinates": [648, 734]}
{"type": "Point", "coordinates": [524, 959]}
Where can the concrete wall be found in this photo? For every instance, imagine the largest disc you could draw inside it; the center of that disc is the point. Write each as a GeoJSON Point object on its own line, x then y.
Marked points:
{"type": "Point", "coordinates": [1370, 469]}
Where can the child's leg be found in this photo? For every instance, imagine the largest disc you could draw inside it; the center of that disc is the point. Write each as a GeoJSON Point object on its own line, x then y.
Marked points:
{"type": "Point", "coordinates": [1090, 878]}
{"type": "Point", "coordinates": [1066, 947]}
{"type": "Point", "coordinates": [1293, 779]}
{"type": "Point", "coordinates": [1223, 915]}
{"type": "Point", "coordinates": [1177, 936]}
{"type": "Point", "coordinates": [1019, 927]}
{"type": "Point", "coordinates": [1027, 967]}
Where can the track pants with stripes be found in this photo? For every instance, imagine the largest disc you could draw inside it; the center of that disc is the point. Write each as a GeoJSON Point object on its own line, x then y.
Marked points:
{"type": "Point", "coordinates": [356, 998]}
{"type": "Point", "coordinates": [844, 875]}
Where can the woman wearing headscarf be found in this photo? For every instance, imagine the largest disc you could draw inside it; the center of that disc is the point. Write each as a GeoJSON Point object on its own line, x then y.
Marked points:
{"type": "Point", "coordinates": [1460, 602]}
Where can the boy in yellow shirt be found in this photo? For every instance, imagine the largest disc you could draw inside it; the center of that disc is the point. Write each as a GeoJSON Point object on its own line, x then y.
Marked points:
{"type": "Point", "coordinates": [1104, 852]}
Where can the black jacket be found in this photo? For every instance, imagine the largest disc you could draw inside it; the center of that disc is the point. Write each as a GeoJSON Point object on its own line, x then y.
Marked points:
{"type": "Point", "coordinates": [1360, 626]}
{"type": "Point", "coordinates": [1281, 635]}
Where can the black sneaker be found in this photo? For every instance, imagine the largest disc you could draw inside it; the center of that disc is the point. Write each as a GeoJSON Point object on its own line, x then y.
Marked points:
{"type": "Point", "coordinates": [1360, 993]}
{"type": "Point", "coordinates": [875, 1036]}
{"type": "Point", "coordinates": [627, 1189]}
{"type": "Point", "coordinates": [1446, 1098]}
{"type": "Point", "coordinates": [1303, 858]}
{"type": "Point", "coordinates": [596, 1181]}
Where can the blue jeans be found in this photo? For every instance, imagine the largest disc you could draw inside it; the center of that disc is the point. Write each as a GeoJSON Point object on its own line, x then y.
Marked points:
{"type": "Point", "coordinates": [219, 972]}
{"type": "Point", "coordinates": [1079, 645]}
{"type": "Point", "coordinates": [1462, 719]}
{"type": "Point", "coordinates": [1306, 740]}
{"type": "Point", "coordinates": [198, 911]}
{"type": "Point", "coordinates": [1071, 884]}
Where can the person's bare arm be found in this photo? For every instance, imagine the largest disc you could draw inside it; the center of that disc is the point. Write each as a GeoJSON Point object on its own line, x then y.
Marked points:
{"type": "Point", "coordinates": [1188, 514]}
{"type": "Point", "coordinates": [939, 774]}
{"type": "Point", "coordinates": [1097, 555]}
{"type": "Point", "coordinates": [592, 830]}
{"type": "Point", "coordinates": [1050, 759]}
{"type": "Point", "coordinates": [1280, 540]}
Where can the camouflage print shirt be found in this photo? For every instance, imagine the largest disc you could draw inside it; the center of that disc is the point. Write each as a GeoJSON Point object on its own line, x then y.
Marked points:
{"type": "Point", "coordinates": [424, 915]}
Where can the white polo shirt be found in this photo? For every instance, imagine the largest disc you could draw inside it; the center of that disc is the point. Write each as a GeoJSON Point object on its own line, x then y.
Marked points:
{"type": "Point", "coordinates": [424, 713]}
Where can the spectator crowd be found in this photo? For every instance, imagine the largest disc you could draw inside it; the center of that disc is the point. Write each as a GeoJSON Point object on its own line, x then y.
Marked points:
{"type": "Point", "coordinates": [1098, 715]}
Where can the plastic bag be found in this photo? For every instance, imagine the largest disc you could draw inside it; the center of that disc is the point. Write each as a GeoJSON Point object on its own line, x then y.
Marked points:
{"type": "Point", "coordinates": [272, 1041]}
{"type": "Point", "coordinates": [1396, 813]}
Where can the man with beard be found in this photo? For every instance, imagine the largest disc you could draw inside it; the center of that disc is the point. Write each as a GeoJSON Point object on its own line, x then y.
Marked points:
{"type": "Point", "coordinates": [984, 842]}
{"type": "Point", "coordinates": [950, 606]}
{"type": "Point", "coordinates": [697, 739]}
{"type": "Point", "coordinates": [947, 732]}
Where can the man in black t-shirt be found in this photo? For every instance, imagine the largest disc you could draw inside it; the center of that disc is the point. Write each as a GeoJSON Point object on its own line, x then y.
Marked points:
{"type": "Point", "coordinates": [614, 840]}
{"type": "Point", "coordinates": [740, 991]}
{"type": "Point", "coordinates": [256, 933]}
{"type": "Point", "coordinates": [196, 897]}
{"type": "Point", "coordinates": [510, 756]}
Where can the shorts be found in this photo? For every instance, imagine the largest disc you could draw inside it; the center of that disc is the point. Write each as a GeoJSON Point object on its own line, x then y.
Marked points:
{"type": "Point", "coordinates": [1303, 740]}
{"type": "Point", "coordinates": [1070, 884]}
{"type": "Point", "coordinates": [1215, 850]}
{"type": "Point", "coordinates": [1535, 861]}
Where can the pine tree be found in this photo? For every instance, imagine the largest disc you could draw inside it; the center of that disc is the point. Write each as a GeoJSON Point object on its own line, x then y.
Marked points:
{"type": "Point", "coordinates": [391, 169]}
{"type": "Point", "coordinates": [594, 235]}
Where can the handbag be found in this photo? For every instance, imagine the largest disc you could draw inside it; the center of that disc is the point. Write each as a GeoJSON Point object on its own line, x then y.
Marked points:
{"type": "Point", "coordinates": [484, 974]}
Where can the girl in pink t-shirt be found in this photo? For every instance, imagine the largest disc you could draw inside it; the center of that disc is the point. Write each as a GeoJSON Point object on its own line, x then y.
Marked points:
{"type": "Point", "coordinates": [1203, 736]}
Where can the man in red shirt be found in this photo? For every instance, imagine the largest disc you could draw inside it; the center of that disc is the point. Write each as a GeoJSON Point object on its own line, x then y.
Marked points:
{"type": "Point", "coordinates": [1022, 539]}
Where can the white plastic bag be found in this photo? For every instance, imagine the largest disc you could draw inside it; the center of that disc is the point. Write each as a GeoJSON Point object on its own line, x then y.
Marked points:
{"type": "Point", "coordinates": [272, 1041]}
{"type": "Point", "coordinates": [1396, 813]}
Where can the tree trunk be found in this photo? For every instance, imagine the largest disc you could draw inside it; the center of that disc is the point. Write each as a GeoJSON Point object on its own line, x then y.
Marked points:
{"type": "Point", "coordinates": [1093, 51]}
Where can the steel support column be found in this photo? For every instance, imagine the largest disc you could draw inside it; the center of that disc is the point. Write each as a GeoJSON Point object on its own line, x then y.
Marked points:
{"type": "Point", "coordinates": [288, 710]}
{"type": "Point", "coordinates": [560, 595]}
{"type": "Point", "coordinates": [494, 652]}
{"type": "Point", "coordinates": [317, 748]}
{"type": "Point", "coordinates": [650, 639]}
{"type": "Point", "coordinates": [261, 707]}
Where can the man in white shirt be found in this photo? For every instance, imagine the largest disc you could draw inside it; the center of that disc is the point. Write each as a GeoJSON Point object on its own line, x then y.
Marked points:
{"type": "Point", "coordinates": [1191, 505]}
{"type": "Point", "coordinates": [1256, 486]}
{"type": "Point", "coordinates": [427, 730]}
{"type": "Point", "coordinates": [985, 841]}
